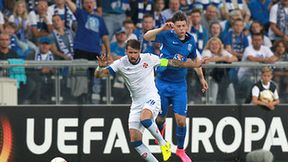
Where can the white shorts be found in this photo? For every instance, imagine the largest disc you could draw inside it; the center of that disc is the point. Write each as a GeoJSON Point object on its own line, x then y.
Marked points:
{"type": "Point", "coordinates": [153, 104]}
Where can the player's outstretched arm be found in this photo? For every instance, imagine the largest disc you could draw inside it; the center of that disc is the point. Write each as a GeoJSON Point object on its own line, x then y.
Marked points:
{"type": "Point", "coordinates": [101, 71]}
{"type": "Point", "coordinates": [180, 64]}
{"type": "Point", "coordinates": [151, 34]}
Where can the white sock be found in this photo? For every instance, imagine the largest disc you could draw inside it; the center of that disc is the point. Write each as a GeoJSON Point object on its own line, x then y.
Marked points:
{"type": "Point", "coordinates": [153, 129]}
{"type": "Point", "coordinates": [145, 153]}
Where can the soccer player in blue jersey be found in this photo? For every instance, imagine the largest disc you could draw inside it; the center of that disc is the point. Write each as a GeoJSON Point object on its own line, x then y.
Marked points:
{"type": "Point", "coordinates": [178, 44]}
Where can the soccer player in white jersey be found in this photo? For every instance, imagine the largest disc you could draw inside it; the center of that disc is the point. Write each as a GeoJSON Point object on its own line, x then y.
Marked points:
{"type": "Point", "coordinates": [138, 72]}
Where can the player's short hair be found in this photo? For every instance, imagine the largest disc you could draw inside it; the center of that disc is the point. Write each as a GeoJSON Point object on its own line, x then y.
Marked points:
{"type": "Point", "coordinates": [10, 24]}
{"type": "Point", "coordinates": [179, 16]}
{"type": "Point", "coordinates": [148, 16]}
{"type": "Point", "coordinates": [133, 43]}
{"type": "Point", "coordinates": [128, 21]}
{"type": "Point", "coordinates": [266, 69]}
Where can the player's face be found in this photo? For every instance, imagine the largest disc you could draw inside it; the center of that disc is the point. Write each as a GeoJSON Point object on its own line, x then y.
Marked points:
{"type": "Point", "coordinates": [133, 54]}
{"type": "Point", "coordinates": [266, 77]}
{"type": "Point", "coordinates": [215, 30]}
{"type": "Point", "coordinates": [181, 28]}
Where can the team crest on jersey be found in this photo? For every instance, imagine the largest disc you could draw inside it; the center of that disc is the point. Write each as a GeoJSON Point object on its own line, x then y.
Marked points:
{"type": "Point", "coordinates": [189, 47]}
{"type": "Point", "coordinates": [179, 57]}
{"type": "Point", "coordinates": [145, 65]}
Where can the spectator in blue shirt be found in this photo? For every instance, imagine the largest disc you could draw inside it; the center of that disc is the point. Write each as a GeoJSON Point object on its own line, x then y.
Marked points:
{"type": "Point", "coordinates": [199, 32]}
{"type": "Point", "coordinates": [236, 41]}
{"type": "Point", "coordinates": [260, 11]}
{"type": "Point", "coordinates": [91, 31]}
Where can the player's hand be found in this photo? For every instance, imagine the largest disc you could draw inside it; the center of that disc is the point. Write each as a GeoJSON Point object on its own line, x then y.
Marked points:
{"type": "Point", "coordinates": [102, 60]}
{"type": "Point", "coordinates": [204, 85]}
{"type": "Point", "coordinates": [168, 26]}
{"type": "Point", "coordinates": [270, 105]}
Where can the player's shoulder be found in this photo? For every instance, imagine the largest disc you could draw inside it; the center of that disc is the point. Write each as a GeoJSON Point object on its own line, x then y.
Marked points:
{"type": "Point", "coordinates": [148, 55]}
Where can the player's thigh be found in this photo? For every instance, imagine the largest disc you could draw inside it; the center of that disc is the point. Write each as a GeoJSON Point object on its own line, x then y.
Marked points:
{"type": "Point", "coordinates": [151, 108]}
{"type": "Point", "coordinates": [179, 101]}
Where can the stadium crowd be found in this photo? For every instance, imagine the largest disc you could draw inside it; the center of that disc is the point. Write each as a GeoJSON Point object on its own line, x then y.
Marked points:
{"type": "Point", "coordinates": [225, 31]}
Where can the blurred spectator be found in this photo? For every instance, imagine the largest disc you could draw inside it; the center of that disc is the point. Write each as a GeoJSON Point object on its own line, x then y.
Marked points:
{"type": "Point", "coordinates": [265, 84]}
{"type": "Point", "coordinates": [159, 5]}
{"type": "Point", "coordinates": [280, 48]}
{"type": "Point", "coordinates": [20, 18]}
{"type": "Point", "coordinates": [118, 51]}
{"type": "Point", "coordinates": [40, 20]}
{"type": "Point", "coordinates": [215, 30]}
{"type": "Point", "coordinates": [33, 3]}
{"type": "Point", "coordinates": [40, 79]}
{"type": "Point", "coordinates": [10, 28]}
{"type": "Point", "coordinates": [255, 53]}
{"type": "Point", "coordinates": [203, 4]}
{"type": "Point", "coordinates": [91, 30]}
{"type": "Point", "coordinates": [129, 28]}
{"type": "Point", "coordinates": [139, 8]}
{"type": "Point", "coordinates": [260, 12]}
{"type": "Point", "coordinates": [62, 46]}
{"type": "Point", "coordinates": [227, 23]}
{"type": "Point", "coordinates": [279, 21]}
{"type": "Point", "coordinates": [147, 24]}
{"type": "Point", "coordinates": [221, 86]}
{"type": "Point", "coordinates": [259, 156]}
{"type": "Point", "coordinates": [186, 6]}
{"type": "Point", "coordinates": [257, 27]}
{"type": "Point", "coordinates": [59, 8]}
{"type": "Point", "coordinates": [5, 51]}
{"type": "Point", "coordinates": [118, 47]}
{"type": "Point", "coordinates": [91, 36]}
{"type": "Point", "coordinates": [230, 5]}
{"type": "Point", "coordinates": [211, 15]}
{"type": "Point", "coordinates": [236, 41]}
{"type": "Point", "coordinates": [174, 7]}
{"type": "Point", "coordinates": [2, 21]}
{"type": "Point", "coordinates": [114, 14]}
{"type": "Point", "coordinates": [199, 32]}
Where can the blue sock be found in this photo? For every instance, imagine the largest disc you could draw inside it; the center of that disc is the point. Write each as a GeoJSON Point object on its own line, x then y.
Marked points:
{"type": "Point", "coordinates": [146, 123]}
{"type": "Point", "coordinates": [180, 135]}
{"type": "Point", "coordinates": [136, 143]}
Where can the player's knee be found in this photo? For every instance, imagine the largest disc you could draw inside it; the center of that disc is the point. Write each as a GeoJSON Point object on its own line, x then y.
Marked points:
{"type": "Point", "coordinates": [146, 123]}
{"type": "Point", "coordinates": [135, 144]}
{"type": "Point", "coordinates": [160, 120]}
{"type": "Point", "coordinates": [181, 122]}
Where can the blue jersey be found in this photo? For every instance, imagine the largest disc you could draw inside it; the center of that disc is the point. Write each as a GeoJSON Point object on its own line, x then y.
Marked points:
{"type": "Point", "coordinates": [174, 48]}
{"type": "Point", "coordinates": [90, 30]}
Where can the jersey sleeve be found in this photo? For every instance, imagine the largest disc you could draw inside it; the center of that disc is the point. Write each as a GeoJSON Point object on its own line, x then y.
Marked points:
{"type": "Point", "coordinates": [194, 51]}
{"type": "Point", "coordinates": [154, 59]}
{"type": "Point", "coordinates": [160, 37]}
{"type": "Point", "coordinates": [114, 67]}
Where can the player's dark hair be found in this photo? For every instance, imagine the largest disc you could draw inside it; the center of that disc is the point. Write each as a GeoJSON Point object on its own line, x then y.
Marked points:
{"type": "Point", "coordinates": [179, 16]}
{"type": "Point", "coordinates": [196, 10]}
{"type": "Point", "coordinates": [148, 16]}
{"type": "Point", "coordinates": [133, 43]}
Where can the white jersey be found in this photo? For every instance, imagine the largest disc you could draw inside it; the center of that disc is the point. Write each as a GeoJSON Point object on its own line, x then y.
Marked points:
{"type": "Point", "coordinates": [138, 78]}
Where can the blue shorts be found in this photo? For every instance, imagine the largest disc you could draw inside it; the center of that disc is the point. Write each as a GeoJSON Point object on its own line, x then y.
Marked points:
{"type": "Point", "coordinates": [174, 94]}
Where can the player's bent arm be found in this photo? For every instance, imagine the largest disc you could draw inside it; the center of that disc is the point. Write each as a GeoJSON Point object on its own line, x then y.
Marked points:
{"type": "Point", "coordinates": [71, 5]}
{"type": "Point", "coordinates": [151, 34]}
{"type": "Point", "coordinates": [180, 64]}
{"type": "Point", "coordinates": [101, 72]}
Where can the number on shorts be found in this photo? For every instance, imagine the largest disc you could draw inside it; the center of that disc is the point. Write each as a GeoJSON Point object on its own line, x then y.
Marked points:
{"type": "Point", "coordinates": [151, 102]}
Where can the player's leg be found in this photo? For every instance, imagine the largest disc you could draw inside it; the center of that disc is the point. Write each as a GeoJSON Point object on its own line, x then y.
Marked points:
{"type": "Point", "coordinates": [180, 111]}
{"type": "Point", "coordinates": [150, 110]}
{"type": "Point", "coordinates": [136, 142]}
{"type": "Point", "coordinates": [165, 102]}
